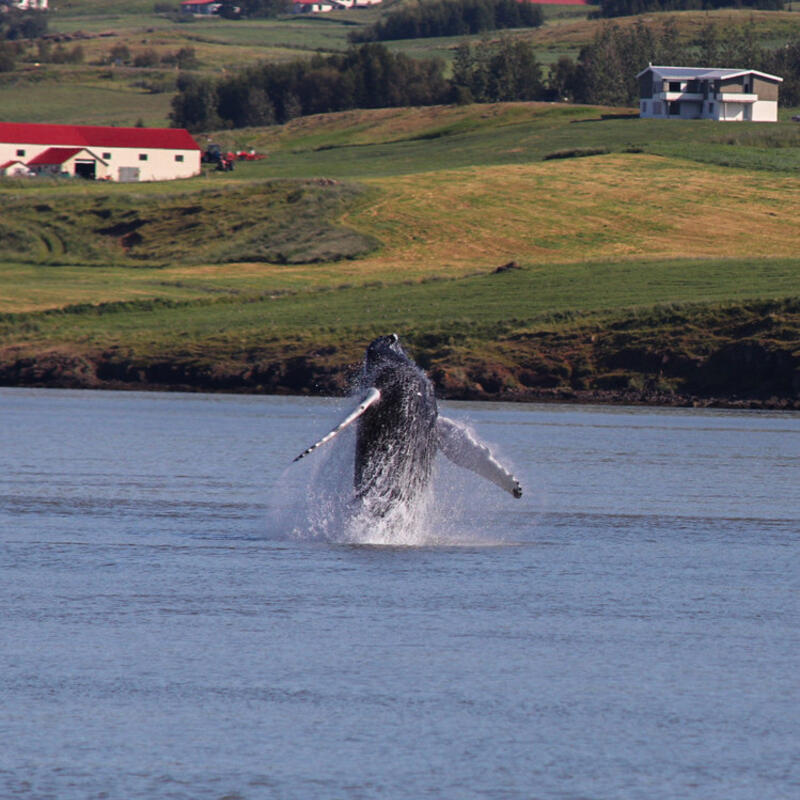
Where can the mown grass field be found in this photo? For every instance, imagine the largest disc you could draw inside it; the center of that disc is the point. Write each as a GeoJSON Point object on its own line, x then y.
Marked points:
{"type": "Point", "coordinates": [486, 303]}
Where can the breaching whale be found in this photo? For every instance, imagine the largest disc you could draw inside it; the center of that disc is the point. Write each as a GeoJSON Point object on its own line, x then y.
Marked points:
{"type": "Point", "coordinates": [400, 431]}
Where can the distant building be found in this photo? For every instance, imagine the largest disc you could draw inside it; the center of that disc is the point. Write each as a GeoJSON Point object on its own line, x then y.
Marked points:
{"type": "Point", "coordinates": [99, 152]}
{"type": "Point", "coordinates": [703, 93]}
{"type": "Point", "coordinates": [309, 7]}
{"type": "Point", "coordinates": [204, 7]}
{"type": "Point", "coordinates": [324, 6]}
{"type": "Point", "coordinates": [76, 162]}
{"type": "Point", "coordinates": [30, 5]}
{"type": "Point", "coordinates": [14, 168]}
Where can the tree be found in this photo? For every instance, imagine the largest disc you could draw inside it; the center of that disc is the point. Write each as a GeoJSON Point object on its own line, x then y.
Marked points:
{"type": "Point", "coordinates": [8, 57]}
{"type": "Point", "coordinates": [564, 79]}
{"type": "Point", "coordinates": [740, 47]}
{"type": "Point", "coordinates": [497, 72]}
{"type": "Point", "coordinates": [620, 8]}
{"type": "Point", "coordinates": [607, 68]}
{"type": "Point", "coordinates": [147, 58]}
{"type": "Point", "coordinates": [195, 105]}
{"type": "Point", "coordinates": [709, 45]}
{"type": "Point", "coordinates": [429, 18]}
{"type": "Point", "coordinates": [119, 54]}
{"type": "Point", "coordinates": [16, 24]}
{"type": "Point", "coordinates": [785, 62]}
{"type": "Point", "coordinates": [514, 73]}
{"type": "Point", "coordinates": [186, 58]}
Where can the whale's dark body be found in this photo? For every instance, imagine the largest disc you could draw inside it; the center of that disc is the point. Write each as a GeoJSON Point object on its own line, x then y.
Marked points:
{"type": "Point", "coordinates": [400, 431]}
{"type": "Point", "coordinates": [396, 440]}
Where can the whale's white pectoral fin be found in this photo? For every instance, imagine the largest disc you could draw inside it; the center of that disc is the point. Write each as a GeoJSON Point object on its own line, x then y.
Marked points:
{"type": "Point", "coordinates": [372, 397]}
{"type": "Point", "coordinates": [461, 447]}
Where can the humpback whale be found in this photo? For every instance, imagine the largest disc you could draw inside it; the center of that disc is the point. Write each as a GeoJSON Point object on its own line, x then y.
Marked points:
{"type": "Point", "coordinates": [400, 431]}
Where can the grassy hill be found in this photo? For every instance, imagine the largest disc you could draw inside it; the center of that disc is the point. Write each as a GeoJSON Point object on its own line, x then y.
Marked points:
{"type": "Point", "coordinates": [642, 260]}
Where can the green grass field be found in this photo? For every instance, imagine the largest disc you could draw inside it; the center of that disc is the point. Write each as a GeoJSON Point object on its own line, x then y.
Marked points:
{"type": "Point", "coordinates": [638, 242]}
{"type": "Point", "coordinates": [479, 305]}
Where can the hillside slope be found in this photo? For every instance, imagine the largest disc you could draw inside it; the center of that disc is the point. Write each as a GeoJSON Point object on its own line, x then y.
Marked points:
{"type": "Point", "coordinates": [523, 250]}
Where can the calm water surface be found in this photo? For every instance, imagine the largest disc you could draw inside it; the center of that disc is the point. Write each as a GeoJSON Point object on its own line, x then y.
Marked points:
{"type": "Point", "coordinates": [176, 623]}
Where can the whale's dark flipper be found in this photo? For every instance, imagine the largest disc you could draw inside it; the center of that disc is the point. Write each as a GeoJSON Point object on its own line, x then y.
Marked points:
{"type": "Point", "coordinates": [461, 447]}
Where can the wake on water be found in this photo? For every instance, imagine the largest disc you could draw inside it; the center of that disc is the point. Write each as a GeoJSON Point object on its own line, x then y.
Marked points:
{"type": "Point", "coordinates": [323, 507]}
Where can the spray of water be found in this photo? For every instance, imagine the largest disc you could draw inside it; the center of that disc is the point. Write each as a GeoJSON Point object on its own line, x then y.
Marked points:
{"type": "Point", "coordinates": [315, 501]}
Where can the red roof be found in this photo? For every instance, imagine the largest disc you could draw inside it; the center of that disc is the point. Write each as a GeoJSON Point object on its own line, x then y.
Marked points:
{"type": "Point", "coordinates": [54, 155]}
{"type": "Point", "coordinates": [97, 136]}
{"type": "Point", "coordinates": [6, 164]}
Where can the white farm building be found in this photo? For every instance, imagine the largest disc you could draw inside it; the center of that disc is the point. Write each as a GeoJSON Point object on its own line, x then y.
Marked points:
{"type": "Point", "coordinates": [99, 152]}
{"type": "Point", "coordinates": [702, 93]}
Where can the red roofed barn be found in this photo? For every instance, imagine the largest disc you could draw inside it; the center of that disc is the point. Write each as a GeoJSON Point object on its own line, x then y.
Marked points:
{"type": "Point", "coordinates": [119, 154]}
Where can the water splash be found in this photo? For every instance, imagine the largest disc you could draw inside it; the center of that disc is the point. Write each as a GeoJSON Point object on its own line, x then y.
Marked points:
{"type": "Point", "coordinates": [315, 501]}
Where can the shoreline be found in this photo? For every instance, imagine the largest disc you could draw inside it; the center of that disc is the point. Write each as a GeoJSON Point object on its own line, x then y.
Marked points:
{"type": "Point", "coordinates": [742, 356]}
{"type": "Point", "coordinates": [59, 371]}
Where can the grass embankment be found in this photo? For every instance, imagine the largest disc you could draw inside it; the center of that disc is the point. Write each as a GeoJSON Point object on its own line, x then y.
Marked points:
{"type": "Point", "coordinates": [642, 277]}
{"type": "Point", "coordinates": [514, 335]}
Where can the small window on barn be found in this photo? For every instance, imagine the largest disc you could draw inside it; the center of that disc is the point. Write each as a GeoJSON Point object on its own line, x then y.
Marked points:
{"type": "Point", "coordinates": [142, 156]}
{"type": "Point", "coordinates": [179, 158]}
{"type": "Point", "coordinates": [20, 152]}
{"type": "Point", "coordinates": [106, 156]}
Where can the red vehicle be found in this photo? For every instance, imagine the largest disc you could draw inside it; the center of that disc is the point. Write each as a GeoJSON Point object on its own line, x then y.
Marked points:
{"type": "Point", "coordinates": [249, 155]}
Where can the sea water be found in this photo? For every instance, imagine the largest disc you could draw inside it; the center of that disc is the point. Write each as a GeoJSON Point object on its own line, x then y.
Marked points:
{"type": "Point", "coordinates": [184, 613]}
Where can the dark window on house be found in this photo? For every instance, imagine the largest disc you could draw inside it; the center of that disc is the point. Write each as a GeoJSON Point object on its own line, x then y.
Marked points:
{"type": "Point", "coordinates": [710, 108]}
{"type": "Point", "coordinates": [106, 156]}
{"type": "Point", "coordinates": [674, 86]}
{"type": "Point", "coordinates": [674, 109]}
{"type": "Point", "coordinates": [20, 152]}
{"type": "Point", "coordinates": [179, 158]}
{"type": "Point", "coordinates": [142, 156]}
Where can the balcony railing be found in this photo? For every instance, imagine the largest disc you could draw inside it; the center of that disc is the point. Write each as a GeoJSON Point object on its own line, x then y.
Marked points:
{"type": "Point", "coordinates": [720, 97]}
{"type": "Point", "coordinates": [670, 97]}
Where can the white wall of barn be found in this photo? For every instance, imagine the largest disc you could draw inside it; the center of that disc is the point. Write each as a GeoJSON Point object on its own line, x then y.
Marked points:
{"type": "Point", "coordinates": [154, 164]}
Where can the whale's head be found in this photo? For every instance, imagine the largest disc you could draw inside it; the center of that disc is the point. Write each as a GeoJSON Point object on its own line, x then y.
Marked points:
{"type": "Point", "coordinates": [383, 353]}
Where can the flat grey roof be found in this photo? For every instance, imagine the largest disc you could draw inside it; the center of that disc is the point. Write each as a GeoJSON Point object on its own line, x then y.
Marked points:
{"type": "Point", "coordinates": [707, 73]}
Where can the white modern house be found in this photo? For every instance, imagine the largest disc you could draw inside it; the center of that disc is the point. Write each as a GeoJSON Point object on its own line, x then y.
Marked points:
{"type": "Point", "coordinates": [99, 152]}
{"type": "Point", "coordinates": [200, 7]}
{"type": "Point", "coordinates": [30, 5]}
{"type": "Point", "coordinates": [705, 93]}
